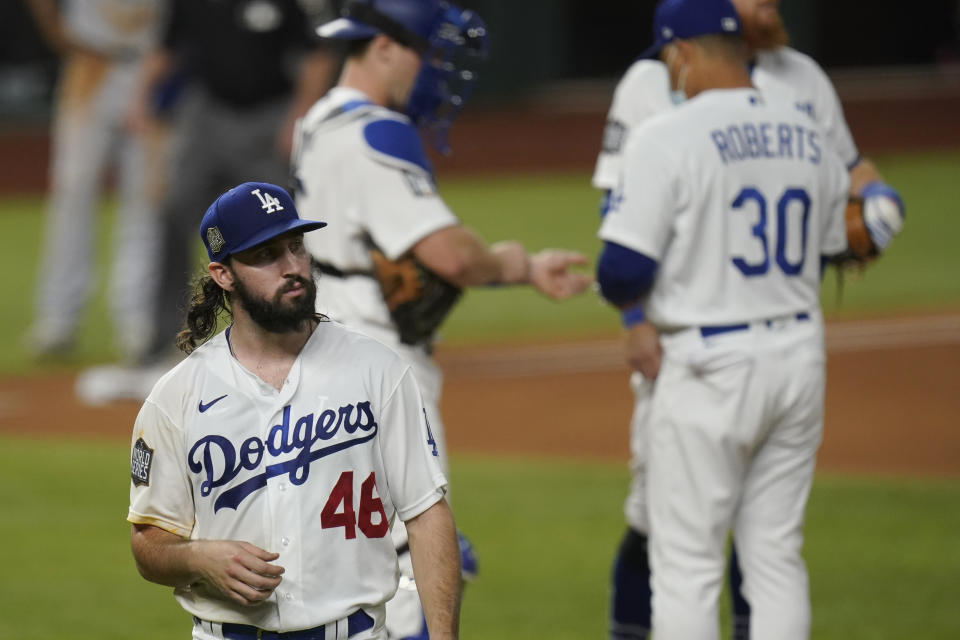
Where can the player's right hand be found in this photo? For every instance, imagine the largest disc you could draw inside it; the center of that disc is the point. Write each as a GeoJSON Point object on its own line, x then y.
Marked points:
{"type": "Point", "coordinates": [239, 570]}
{"type": "Point", "coordinates": [642, 349]}
{"type": "Point", "coordinates": [550, 273]}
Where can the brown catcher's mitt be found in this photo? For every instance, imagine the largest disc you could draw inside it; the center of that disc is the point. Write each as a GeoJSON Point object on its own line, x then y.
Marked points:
{"type": "Point", "coordinates": [860, 248]}
{"type": "Point", "coordinates": [417, 298]}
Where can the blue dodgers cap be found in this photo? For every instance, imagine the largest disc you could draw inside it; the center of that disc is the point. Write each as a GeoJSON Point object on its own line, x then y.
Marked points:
{"type": "Point", "coordinates": [247, 215]}
{"type": "Point", "coordinates": [683, 19]}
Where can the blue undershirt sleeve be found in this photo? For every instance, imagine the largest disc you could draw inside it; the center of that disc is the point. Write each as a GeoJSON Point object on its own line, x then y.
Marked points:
{"type": "Point", "coordinates": [624, 275]}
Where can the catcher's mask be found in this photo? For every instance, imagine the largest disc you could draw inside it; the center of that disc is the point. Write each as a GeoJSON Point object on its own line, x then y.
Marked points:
{"type": "Point", "coordinates": [451, 42]}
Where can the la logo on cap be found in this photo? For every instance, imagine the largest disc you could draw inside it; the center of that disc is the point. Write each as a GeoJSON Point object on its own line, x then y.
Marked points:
{"type": "Point", "coordinates": [268, 203]}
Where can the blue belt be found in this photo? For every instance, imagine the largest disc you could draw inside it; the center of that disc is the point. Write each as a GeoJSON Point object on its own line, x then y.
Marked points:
{"type": "Point", "coordinates": [357, 621]}
{"type": "Point", "coordinates": [714, 330]}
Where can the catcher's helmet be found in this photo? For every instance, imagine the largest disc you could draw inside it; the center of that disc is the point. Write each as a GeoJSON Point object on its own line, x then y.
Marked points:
{"type": "Point", "coordinates": [449, 40]}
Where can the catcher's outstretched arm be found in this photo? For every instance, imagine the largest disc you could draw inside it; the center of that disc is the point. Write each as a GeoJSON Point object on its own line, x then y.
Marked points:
{"type": "Point", "coordinates": [459, 256]}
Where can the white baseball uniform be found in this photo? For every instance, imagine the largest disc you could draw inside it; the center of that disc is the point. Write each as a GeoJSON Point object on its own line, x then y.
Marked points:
{"type": "Point", "coordinates": [95, 90]}
{"type": "Point", "coordinates": [356, 170]}
{"type": "Point", "coordinates": [783, 74]}
{"type": "Point", "coordinates": [315, 472]}
{"type": "Point", "coordinates": [349, 176]}
{"type": "Point", "coordinates": [737, 198]}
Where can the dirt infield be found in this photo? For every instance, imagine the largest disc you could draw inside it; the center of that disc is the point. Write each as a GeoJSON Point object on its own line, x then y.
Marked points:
{"type": "Point", "coordinates": [892, 401]}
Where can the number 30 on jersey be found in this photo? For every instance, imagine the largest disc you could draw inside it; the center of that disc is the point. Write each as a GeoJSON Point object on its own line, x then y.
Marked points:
{"type": "Point", "coordinates": [792, 199]}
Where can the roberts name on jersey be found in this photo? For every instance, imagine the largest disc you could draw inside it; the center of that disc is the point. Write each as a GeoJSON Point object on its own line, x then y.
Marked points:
{"type": "Point", "coordinates": [771, 140]}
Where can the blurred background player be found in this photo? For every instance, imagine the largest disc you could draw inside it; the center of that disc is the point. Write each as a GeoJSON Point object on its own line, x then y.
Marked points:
{"type": "Point", "coordinates": [713, 247]}
{"type": "Point", "coordinates": [250, 68]}
{"type": "Point", "coordinates": [102, 45]}
{"type": "Point", "coordinates": [395, 257]}
{"type": "Point", "coordinates": [780, 73]}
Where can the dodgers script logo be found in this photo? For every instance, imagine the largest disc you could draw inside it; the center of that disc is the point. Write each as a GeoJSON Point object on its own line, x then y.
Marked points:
{"type": "Point", "coordinates": [220, 461]}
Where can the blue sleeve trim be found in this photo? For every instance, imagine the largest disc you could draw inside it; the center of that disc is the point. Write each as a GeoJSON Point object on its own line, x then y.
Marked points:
{"type": "Point", "coordinates": [856, 161]}
{"type": "Point", "coordinates": [398, 140]}
{"type": "Point", "coordinates": [347, 107]}
{"type": "Point", "coordinates": [624, 275]}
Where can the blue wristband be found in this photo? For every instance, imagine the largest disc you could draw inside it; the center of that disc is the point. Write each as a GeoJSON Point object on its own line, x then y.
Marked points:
{"type": "Point", "coordinates": [880, 188]}
{"type": "Point", "coordinates": [633, 315]}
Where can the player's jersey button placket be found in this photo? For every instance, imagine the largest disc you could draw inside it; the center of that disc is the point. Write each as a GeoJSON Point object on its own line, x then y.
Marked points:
{"type": "Point", "coordinates": [282, 517]}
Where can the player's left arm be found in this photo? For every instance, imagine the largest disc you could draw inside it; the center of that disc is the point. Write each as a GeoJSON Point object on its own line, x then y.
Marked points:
{"type": "Point", "coordinates": [876, 208]}
{"type": "Point", "coordinates": [636, 231]}
{"type": "Point", "coordinates": [881, 208]}
{"type": "Point", "coordinates": [436, 565]}
{"type": "Point", "coordinates": [458, 255]}
{"type": "Point", "coordinates": [624, 278]}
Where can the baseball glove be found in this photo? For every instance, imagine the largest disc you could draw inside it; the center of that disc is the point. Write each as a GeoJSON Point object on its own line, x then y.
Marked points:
{"type": "Point", "coordinates": [860, 246]}
{"type": "Point", "coordinates": [418, 299]}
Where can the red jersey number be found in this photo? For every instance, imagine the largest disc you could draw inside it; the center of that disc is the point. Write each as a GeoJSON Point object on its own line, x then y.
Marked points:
{"type": "Point", "coordinates": [339, 511]}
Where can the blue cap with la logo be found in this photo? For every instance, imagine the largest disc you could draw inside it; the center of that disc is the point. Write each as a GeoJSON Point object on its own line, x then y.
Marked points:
{"type": "Point", "coordinates": [684, 19]}
{"type": "Point", "coordinates": [248, 215]}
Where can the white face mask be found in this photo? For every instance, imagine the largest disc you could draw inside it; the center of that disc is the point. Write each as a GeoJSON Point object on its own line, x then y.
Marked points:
{"type": "Point", "coordinates": [682, 80]}
{"type": "Point", "coordinates": [679, 94]}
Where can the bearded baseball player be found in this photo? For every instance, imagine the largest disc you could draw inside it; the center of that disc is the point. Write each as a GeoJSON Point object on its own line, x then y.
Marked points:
{"type": "Point", "coordinates": [395, 258]}
{"type": "Point", "coordinates": [876, 216]}
{"type": "Point", "coordinates": [713, 248]}
{"type": "Point", "coordinates": [268, 466]}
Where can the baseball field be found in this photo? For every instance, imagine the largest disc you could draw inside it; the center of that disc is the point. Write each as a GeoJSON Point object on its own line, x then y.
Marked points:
{"type": "Point", "coordinates": [536, 405]}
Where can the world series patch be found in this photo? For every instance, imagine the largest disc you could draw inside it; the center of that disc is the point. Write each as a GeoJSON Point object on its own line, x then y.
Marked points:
{"type": "Point", "coordinates": [614, 136]}
{"type": "Point", "coordinates": [140, 461]}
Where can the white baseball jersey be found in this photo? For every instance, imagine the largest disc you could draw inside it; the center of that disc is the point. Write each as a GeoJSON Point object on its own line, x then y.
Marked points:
{"type": "Point", "coordinates": [361, 169]}
{"type": "Point", "coordinates": [737, 199]}
{"type": "Point", "coordinates": [315, 472]}
{"type": "Point", "coordinates": [113, 26]}
{"type": "Point", "coordinates": [782, 74]}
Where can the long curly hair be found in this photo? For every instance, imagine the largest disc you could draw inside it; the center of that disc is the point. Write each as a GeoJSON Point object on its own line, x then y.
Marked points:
{"type": "Point", "coordinates": [207, 304]}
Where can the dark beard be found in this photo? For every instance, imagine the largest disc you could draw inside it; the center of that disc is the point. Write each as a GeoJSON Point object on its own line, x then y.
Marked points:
{"type": "Point", "coordinates": [275, 316]}
{"type": "Point", "coordinates": [766, 37]}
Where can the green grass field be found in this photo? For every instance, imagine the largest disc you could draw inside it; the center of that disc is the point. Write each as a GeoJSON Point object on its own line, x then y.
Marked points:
{"type": "Point", "coordinates": [882, 552]}
{"type": "Point", "coordinates": [919, 272]}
